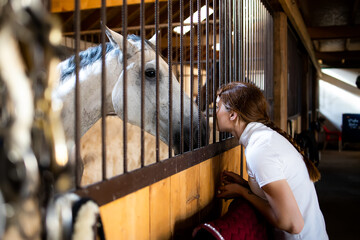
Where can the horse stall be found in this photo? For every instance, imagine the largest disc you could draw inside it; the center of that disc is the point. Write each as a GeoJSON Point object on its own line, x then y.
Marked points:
{"type": "Point", "coordinates": [116, 136]}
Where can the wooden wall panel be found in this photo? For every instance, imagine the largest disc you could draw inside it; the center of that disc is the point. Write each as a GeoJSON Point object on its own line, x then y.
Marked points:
{"type": "Point", "coordinates": [127, 217]}
{"type": "Point", "coordinates": [192, 185]}
{"type": "Point", "coordinates": [173, 207]}
{"type": "Point", "coordinates": [160, 210]}
{"type": "Point", "coordinates": [178, 201]}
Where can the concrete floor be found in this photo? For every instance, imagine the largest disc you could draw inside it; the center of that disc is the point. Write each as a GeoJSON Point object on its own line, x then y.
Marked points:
{"type": "Point", "coordinates": [339, 193]}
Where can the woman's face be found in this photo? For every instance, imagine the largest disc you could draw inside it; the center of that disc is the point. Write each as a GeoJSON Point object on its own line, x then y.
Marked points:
{"type": "Point", "coordinates": [222, 116]}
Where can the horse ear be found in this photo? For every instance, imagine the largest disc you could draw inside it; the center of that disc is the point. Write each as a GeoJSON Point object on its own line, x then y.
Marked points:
{"type": "Point", "coordinates": [153, 38]}
{"type": "Point", "coordinates": [116, 39]}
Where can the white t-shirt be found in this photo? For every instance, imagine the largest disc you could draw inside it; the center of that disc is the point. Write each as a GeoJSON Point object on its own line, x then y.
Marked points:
{"type": "Point", "coordinates": [271, 157]}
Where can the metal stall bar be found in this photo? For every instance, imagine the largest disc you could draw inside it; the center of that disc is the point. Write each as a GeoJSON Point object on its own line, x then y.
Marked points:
{"type": "Point", "coordinates": [258, 20]}
{"type": "Point", "coordinates": [191, 74]}
{"type": "Point", "coordinates": [77, 92]}
{"type": "Point", "coordinates": [124, 33]}
{"type": "Point", "coordinates": [170, 74]}
{"type": "Point", "coordinates": [263, 54]}
{"type": "Point", "coordinates": [214, 76]}
{"type": "Point", "coordinates": [199, 72]}
{"type": "Point", "coordinates": [207, 73]}
{"type": "Point", "coordinates": [103, 88]}
{"type": "Point", "coordinates": [228, 58]}
{"type": "Point", "coordinates": [256, 42]}
{"type": "Point", "coordinates": [251, 41]}
{"type": "Point", "coordinates": [142, 70]}
{"type": "Point", "coordinates": [230, 43]}
{"type": "Point", "coordinates": [181, 77]}
{"type": "Point", "coordinates": [226, 42]}
{"type": "Point", "coordinates": [236, 41]}
{"type": "Point", "coordinates": [221, 49]}
{"type": "Point", "coordinates": [246, 41]}
{"type": "Point", "coordinates": [157, 47]}
{"type": "Point", "coordinates": [241, 38]}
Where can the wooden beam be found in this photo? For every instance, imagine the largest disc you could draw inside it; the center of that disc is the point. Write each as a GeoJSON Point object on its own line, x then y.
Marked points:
{"type": "Point", "coordinates": [69, 5]}
{"type": "Point", "coordinates": [334, 32]}
{"type": "Point", "coordinates": [280, 70]}
{"type": "Point", "coordinates": [336, 82]}
{"type": "Point", "coordinates": [347, 59]}
{"type": "Point", "coordinates": [333, 56]}
{"type": "Point", "coordinates": [294, 15]}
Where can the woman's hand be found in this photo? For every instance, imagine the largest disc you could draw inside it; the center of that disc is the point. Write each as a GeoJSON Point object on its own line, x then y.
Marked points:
{"type": "Point", "coordinates": [231, 177]}
{"type": "Point", "coordinates": [231, 190]}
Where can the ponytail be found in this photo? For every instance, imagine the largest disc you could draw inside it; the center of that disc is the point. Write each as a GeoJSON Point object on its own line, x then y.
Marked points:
{"type": "Point", "coordinates": [314, 173]}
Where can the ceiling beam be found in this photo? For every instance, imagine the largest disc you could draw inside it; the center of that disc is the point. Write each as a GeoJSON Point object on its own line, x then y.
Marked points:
{"type": "Point", "coordinates": [69, 5]}
{"type": "Point", "coordinates": [350, 55]}
{"type": "Point", "coordinates": [346, 59]}
{"type": "Point", "coordinates": [334, 32]}
{"type": "Point", "coordinates": [294, 15]}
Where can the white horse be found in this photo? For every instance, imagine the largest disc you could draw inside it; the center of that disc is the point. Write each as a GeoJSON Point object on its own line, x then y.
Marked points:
{"type": "Point", "coordinates": [90, 91]}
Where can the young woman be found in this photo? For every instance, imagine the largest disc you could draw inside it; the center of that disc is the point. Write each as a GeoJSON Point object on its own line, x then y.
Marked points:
{"type": "Point", "coordinates": [280, 183]}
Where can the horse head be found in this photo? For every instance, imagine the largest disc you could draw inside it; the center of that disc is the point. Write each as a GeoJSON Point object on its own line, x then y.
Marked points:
{"type": "Point", "coordinates": [133, 72]}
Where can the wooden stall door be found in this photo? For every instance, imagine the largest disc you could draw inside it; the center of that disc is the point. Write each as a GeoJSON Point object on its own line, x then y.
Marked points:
{"type": "Point", "coordinates": [172, 207]}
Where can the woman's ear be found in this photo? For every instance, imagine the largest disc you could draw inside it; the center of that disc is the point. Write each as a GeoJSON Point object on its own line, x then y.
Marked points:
{"type": "Point", "coordinates": [233, 116]}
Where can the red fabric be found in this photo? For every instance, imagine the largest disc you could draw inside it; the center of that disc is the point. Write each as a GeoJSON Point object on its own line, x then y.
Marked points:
{"type": "Point", "coordinates": [241, 222]}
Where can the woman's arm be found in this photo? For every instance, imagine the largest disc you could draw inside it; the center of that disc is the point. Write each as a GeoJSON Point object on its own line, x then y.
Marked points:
{"type": "Point", "coordinates": [281, 210]}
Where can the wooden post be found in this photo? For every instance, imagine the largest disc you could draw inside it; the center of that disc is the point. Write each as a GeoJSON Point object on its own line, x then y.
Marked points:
{"type": "Point", "coordinates": [280, 70]}
{"type": "Point", "coordinates": [305, 88]}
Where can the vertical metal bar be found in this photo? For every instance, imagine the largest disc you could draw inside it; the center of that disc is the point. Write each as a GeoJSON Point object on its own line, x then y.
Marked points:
{"type": "Point", "coordinates": [230, 34]}
{"type": "Point", "coordinates": [241, 20]}
{"type": "Point", "coordinates": [223, 52]}
{"type": "Point", "coordinates": [263, 54]}
{"type": "Point", "coordinates": [199, 72]}
{"type": "Point", "coordinates": [207, 72]}
{"type": "Point", "coordinates": [246, 47]}
{"type": "Point", "coordinates": [259, 41]}
{"type": "Point", "coordinates": [251, 41]}
{"type": "Point", "coordinates": [103, 89]}
{"type": "Point", "coordinates": [236, 41]}
{"type": "Point", "coordinates": [214, 76]}
{"type": "Point", "coordinates": [248, 41]}
{"type": "Point", "coordinates": [181, 76]}
{"type": "Point", "coordinates": [256, 40]}
{"type": "Point", "coordinates": [142, 70]}
{"type": "Point", "coordinates": [191, 74]}
{"type": "Point", "coordinates": [77, 92]}
{"type": "Point", "coordinates": [225, 21]}
{"type": "Point", "coordinates": [170, 73]}
{"type": "Point", "coordinates": [157, 47]}
{"type": "Point", "coordinates": [124, 33]}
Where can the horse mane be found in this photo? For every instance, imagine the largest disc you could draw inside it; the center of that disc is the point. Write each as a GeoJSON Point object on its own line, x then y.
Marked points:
{"type": "Point", "coordinates": [91, 55]}
{"type": "Point", "coordinates": [87, 57]}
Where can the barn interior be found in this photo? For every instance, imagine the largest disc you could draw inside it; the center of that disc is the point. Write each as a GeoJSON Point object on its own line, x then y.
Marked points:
{"type": "Point", "coordinates": [304, 55]}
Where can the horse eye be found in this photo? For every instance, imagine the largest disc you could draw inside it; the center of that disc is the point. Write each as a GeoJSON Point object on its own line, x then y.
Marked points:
{"type": "Point", "coordinates": [150, 73]}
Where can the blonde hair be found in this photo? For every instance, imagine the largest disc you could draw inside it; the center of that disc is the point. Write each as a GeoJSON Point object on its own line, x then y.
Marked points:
{"type": "Point", "coordinates": [250, 104]}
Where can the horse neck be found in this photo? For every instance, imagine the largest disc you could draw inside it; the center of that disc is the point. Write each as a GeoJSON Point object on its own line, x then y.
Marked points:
{"type": "Point", "coordinates": [90, 95]}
